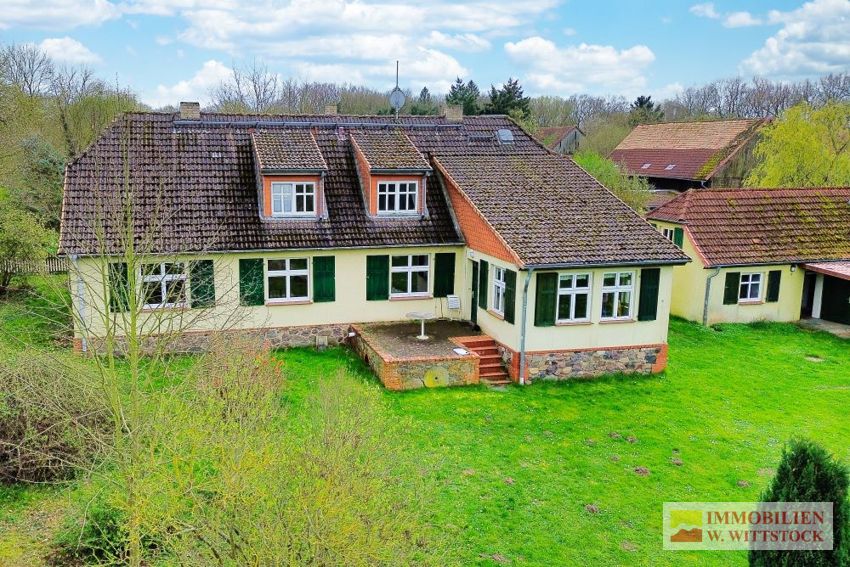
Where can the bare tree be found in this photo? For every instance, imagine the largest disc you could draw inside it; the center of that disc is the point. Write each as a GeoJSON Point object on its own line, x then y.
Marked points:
{"type": "Point", "coordinates": [27, 67]}
{"type": "Point", "coordinates": [252, 88]}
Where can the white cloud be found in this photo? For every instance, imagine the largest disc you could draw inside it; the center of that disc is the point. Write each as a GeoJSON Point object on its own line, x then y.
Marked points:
{"type": "Point", "coordinates": [813, 40]}
{"type": "Point", "coordinates": [68, 50]}
{"type": "Point", "coordinates": [569, 32]}
{"type": "Point", "coordinates": [198, 88]}
{"type": "Point", "coordinates": [581, 68]}
{"type": "Point", "coordinates": [460, 42]}
{"type": "Point", "coordinates": [741, 20]}
{"type": "Point", "coordinates": [705, 10]}
{"type": "Point", "coordinates": [56, 14]}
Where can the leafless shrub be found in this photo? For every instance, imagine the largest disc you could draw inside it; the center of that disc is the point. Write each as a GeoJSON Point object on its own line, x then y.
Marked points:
{"type": "Point", "coordinates": [53, 419]}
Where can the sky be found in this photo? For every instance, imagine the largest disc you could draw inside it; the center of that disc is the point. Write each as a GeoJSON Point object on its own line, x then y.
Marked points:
{"type": "Point", "coordinates": [173, 50]}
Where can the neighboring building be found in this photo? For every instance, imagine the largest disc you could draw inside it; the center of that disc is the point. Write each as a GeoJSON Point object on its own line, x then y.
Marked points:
{"type": "Point", "coordinates": [676, 156]}
{"type": "Point", "coordinates": [290, 228]}
{"type": "Point", "coordinates": [564, 140]}
{"type": "Point", "coordinates": [760, 254]}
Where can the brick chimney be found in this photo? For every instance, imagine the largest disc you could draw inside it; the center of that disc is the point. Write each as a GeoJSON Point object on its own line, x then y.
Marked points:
{"type": "Point", "coordinates": [331, 109]}
{"type": "Point", "coordinates": [190, 111]}
{"type": "Point", "coordinates": [454, 112]}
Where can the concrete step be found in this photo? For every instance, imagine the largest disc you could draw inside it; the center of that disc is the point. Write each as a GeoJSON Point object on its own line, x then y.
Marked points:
{"type": "Point", "coordinates": [483, 342]}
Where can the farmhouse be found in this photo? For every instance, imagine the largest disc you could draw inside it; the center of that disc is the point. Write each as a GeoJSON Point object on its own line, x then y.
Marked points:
{"type": "Point", "coordinates": [299, 230]}
{"type": "Point", "coordinates": [676, 156]}
{"type": "Point", "coordinates": [561, 139]}
{"type": "Point", "coordinates": [760, 254]}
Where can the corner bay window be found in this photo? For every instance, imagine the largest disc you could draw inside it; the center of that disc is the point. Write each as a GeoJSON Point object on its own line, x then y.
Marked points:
{"type": "Point", "coordinates": [499, 290]}
{"type": "Point", "coordinates": [163, 285]}
{"type": "Point", "coordinates": [398, 197]}
{"type": "Point", "coordinates": [573, 297]}
{"type": "Point", "coordinates": [750, 289]}
{"type": "Point", "coordinates": [617, 292]}
{"type": "Point", "coordinates": [287, 279]}
{"type": "Point", "coordinates": [293, 199]}
{"type": "Point", "coordinates": [409, 275]}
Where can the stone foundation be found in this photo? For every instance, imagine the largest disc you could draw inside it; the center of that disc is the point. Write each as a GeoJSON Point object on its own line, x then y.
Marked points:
{"type": "Point", "coordinates": [411, 373]}
{"type": "Point", "coordinates": [588, 363]}
{"type": "Point", "coordinates": [275, 337]}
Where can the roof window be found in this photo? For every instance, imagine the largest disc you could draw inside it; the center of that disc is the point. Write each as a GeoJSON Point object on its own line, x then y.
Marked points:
{"type": "Point", "coordinates": [645, 166]}
{"type": "Point", "coordinates": [505, 136]}
{"type": "Point", "coordinates": [670, 167]}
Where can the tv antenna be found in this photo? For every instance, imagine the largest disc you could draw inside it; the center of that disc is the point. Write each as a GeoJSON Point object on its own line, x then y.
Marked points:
{"type": "Point", "coordinates": [397, 97]}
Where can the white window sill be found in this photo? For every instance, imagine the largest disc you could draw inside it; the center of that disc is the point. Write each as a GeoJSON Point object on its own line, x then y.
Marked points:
{"type": "Point", "coordinates": [413, 214]}
{"type": "Point", "coordinates": [277, 302]}
{"type": "Point", "coordinates": [615, 320]}
{"type": "Point", "coordinates": [411, 297]}
{"type": "Point", "coordinates": [576, 323]}
{"type": "Point", "coordinates": [167, 307]}
{"type": "Point", "coordinates": [496, 314]}
{"type": "Point", "coordinates": [309, 216]}
{"type": "Point", "coordinates": [750, 302]}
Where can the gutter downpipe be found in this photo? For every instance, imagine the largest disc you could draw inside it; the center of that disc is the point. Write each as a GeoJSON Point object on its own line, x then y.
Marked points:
{"type": "Point", "coordinates": [523, 327]}
{"type": "Point", "coordinates": [81, 300]}
{"type": "Point", "coordinates": [707, 295]}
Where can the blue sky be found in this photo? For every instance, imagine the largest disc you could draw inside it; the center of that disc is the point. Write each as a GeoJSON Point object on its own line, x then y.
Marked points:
{"type": "Point", "coordinates": [172, 50]}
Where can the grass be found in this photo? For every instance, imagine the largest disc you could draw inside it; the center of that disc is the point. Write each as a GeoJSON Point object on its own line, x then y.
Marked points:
{"type": "Point", "coordinates": [516, 468]}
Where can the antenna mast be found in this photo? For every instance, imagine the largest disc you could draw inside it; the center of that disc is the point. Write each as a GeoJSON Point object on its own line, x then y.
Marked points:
{"type": "Point", "coordinates": [396, 96]}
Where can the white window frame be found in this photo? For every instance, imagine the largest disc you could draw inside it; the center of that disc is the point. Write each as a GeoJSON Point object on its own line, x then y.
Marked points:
{"type": "Point", "coordinates": [278, 196]}
{"type": "Point", "coordinates": [386, 188]}
{"type": "Point", "coordinates": [617, 289]}
{"type": "Point", "coordinates": [410, 269]}
{"type": "Point", "coordinates": [753, 279]}
{"type": "Point", "coordinates": [574, 291]}
{"type": "Point", "coordinates": [669, 234]}
{"type": "Point", "coordinates": [164, 279]}
{"type": "Point", "coordinates": [499, 289]}
{"type": "Point", "coordinates": [287, 273]}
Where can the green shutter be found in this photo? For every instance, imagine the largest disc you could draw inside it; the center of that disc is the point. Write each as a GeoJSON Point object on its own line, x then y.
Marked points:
{"type": "Point", "coordinates": [202, 283]}
{"type": "Point", "coordinates": [483, 282]}
{"type": "Point", "coordinates": [251, 285]}
{"type": "Point", "coordinates": [648, 306]}
{"type": "Point", "coordinates": [544, 302]}
{"type": "Point", "coordinates": [510, 295]}
{"type": "Point", "coordinates": [444, 274]}
{"type": "Point", "coordinates": [324, 279]}
{"type": "Point", "coordinates": [774, 277]}
{"type": "Point", "coordinates": [732, 288]}
{"type": "Point", "coordinates": [377, 278]}
{"type": "Point", "coordinates": [119, 287]}
{"type": "Point", "coordinates": [678, 237]}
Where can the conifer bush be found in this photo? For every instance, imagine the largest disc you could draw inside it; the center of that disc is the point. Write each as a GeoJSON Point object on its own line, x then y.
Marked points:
{"type": "Point", "coordinates": [808, 473]}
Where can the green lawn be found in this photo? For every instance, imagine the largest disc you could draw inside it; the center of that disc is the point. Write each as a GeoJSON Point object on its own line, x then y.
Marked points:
{"type": "Point", "coordinates": [514, 469]}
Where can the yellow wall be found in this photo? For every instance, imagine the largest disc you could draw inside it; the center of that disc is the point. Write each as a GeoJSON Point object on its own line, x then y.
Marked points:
{"type": "Point", "coordinates": [689, 283]}
{"type": "Point", "coordinates": [577, 335]}
{"type": "Point", "coordinates": [350, 306]}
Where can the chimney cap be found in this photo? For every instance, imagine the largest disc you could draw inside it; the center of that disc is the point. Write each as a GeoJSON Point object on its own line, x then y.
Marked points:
{"type": "Point", "coordinates": [190, 110]}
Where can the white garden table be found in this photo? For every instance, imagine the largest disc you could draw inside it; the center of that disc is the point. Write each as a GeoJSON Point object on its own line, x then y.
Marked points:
{"type": "Point", "coordinates": [421, 316]}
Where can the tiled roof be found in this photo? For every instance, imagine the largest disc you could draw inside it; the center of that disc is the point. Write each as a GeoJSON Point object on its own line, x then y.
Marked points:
{"type": "Point", "coordinates": [194, 188]}
{"type": "Point", "coordinates": [764, 226]}
{"type": "Point", "coordinates": [549, 211]}
{"type": "Point", "coordinates": [389, 148]}
{"type": "Point", "coordinates": [551, 137]}
{"type": "Point", "coordinates": [839, 270]}
{"type": "Point", "coordinates": [683, 150]}
{"type": "Point", "coordinates": [286, 150]}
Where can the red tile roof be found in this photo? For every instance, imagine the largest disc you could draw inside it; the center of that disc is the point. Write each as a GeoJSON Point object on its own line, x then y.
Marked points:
{"type": "Point", "coordinates": [551, 137]}
{"type": "Point", "coordinates": [389, 149]}
{"type": "Point", "coordinates": [840, 270]}
{"type": "Point", "coordinates": [764, 226]}
{"type": "Point", "coordinates": [683, 150]}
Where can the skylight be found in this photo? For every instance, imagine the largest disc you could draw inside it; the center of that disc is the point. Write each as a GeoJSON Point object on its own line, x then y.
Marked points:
{"type": "Point", "coordinates": [505, 136]}
{"type": "Point", "coordinates": [670, 166]}
{"type": "Point", "coordinates": [645, 166]}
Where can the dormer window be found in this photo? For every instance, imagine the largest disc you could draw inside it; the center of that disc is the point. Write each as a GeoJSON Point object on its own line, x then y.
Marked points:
{"type": "Point", "coordinates": [398, 197]}
{"type": "Point", "coordinates": [293, 199]}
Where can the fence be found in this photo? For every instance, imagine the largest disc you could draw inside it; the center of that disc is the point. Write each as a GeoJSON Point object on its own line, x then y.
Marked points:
{"type": "Point", "coordinates": [50, 265]}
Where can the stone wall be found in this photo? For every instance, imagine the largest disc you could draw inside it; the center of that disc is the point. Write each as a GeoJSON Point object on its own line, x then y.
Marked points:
{"type": "Point", "coordinates": [275, 337]}
{"type": "Point", "coordinates": [562, 365]}
{"type": "Point", "coordinates": [419, 372]}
